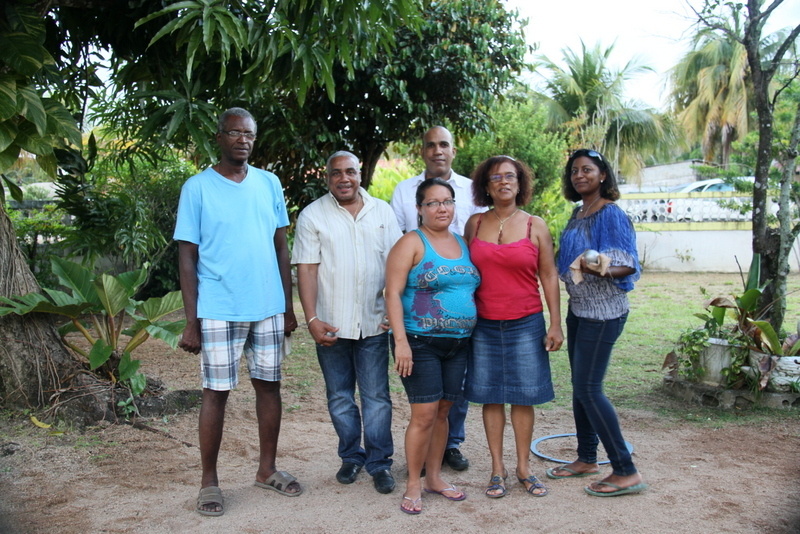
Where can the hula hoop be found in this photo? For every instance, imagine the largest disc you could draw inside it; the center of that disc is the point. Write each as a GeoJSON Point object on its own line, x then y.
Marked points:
{"type": "Point", "coordinates": [536, 442]}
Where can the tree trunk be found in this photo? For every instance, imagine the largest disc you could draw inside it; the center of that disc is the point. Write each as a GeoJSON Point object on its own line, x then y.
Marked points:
{"type": "Point", "coordinates": [771, 298]}
{"type": "Point", "coordinates": [370, 155]}
{"type": "Point", "coordinates": [763, 156]}
{"type": "Point", "coordinates": [766, 241]}
{"type": "Point", "coordinates": [33, 360]}
{"type": "Point", "coordinates": [785, 211]}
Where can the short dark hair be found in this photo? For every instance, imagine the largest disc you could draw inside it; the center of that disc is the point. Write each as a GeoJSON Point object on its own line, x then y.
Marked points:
{"type": "Point", "coordinates": [480, 181]}
{"type": "Point", "coordinates": [430, 182]}
{"type": "Point", "coordinates": [608, 188]}
{"type": "Point", "coordinates": [234, 112]}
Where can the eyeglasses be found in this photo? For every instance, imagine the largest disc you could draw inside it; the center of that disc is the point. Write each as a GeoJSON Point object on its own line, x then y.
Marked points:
{"type": "Point", "coordinates": [509, 177]}
{"type": "Point", "coordinates": [435, 203]}
{"type": "Point", "coordinates": [236, 134]}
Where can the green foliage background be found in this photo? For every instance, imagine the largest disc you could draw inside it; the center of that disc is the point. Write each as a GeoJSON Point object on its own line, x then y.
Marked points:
{"type": "Point", "coordinates": [388, 175]}
{"type": "Point", "coordinates": [40, 232]}
{"type": "Point", "coordinates": [520, 131]}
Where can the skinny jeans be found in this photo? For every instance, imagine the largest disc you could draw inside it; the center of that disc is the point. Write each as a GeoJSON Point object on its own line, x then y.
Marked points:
{"type": "Point", "coordinates": [589, 345]}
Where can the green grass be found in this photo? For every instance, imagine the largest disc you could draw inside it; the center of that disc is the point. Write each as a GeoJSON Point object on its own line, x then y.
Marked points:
{"type": "Point", "coordinates": [301, 370]}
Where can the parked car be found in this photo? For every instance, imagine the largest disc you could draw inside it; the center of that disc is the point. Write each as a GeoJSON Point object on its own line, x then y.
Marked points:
{"type": "Point", "coordinates": [703, 186]}
{"type": "Point", "coordinates": [699, 209]}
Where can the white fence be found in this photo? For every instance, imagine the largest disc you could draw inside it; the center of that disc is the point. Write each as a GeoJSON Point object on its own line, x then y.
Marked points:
{"type": "Point", "coordinates": [718, 206]}
{"type": "Point", "coordinates": [700, 250]}
{"type": "Point", "coordinates": [694, 232]}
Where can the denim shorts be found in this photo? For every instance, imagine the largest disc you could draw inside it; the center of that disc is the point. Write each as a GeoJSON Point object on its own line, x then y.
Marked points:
{"type": "Point", "coordinates": [439, 367]}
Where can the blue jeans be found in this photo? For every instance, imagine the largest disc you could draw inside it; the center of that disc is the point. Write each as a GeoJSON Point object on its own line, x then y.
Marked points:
{"type": "Point", "coordinates": [457, 419]}
{"type": "Point", "coordinates": [364, 362]}
{"type": "Point", "coordinates": [457, 422]}
{"type": "Point", "coordinates": [589, 344]}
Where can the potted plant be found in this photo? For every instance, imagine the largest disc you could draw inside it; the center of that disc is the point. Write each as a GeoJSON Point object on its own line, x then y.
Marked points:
{"type": "Point", "coordinates": [716, 352]}
{"type": "Point", "coordinates": [711, 354]}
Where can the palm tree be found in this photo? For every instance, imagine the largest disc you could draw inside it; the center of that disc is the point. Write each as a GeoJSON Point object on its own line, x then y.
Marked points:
{"type": "Point", "coordinates": [586, 98]}
{"type": "Point", "coordinates": [711, 95]}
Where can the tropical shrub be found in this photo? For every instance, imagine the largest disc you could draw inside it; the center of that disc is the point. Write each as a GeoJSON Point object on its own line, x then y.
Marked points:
{"type": "Point", "coordinates": [40, 233]}
{"type": "Point", "coordinates": [100, 307]}
{"type": "Point", "coordinates": [387, 175]}
{"type": "Point", "coordinates": [125, 214]}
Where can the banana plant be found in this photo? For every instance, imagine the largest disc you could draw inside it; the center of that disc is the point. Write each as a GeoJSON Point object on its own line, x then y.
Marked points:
{"type": "Point", "coordinates": [99, 306]}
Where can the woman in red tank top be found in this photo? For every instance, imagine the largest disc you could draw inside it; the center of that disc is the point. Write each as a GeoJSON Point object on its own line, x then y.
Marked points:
{"type": "Point", "coordinates": [509, 362]}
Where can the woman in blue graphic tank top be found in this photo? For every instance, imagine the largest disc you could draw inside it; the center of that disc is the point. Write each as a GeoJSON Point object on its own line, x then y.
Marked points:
{"type": "Point", "coordinates": [430, 286]}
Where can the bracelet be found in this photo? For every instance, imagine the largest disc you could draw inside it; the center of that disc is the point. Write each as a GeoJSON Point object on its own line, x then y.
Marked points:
{"type": "Point", "coordinates": [308, 323]}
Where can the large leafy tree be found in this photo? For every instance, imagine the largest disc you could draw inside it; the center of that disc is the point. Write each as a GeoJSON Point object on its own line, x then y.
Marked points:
{"type": "Point", "coordinates": [585, 97]}
{"type": "Point", "coordinates": [773, 69]}
{"type": "Point", "coordinates": [449, 70]}
{"type": "Point", "coordinates": [237, 53]}
{"type": "Point", "coordinates": [29, 120]}
{"type": "Point", "coordinates": [170, 65]}
{"type": "Point", "coordinates": [518, 130]}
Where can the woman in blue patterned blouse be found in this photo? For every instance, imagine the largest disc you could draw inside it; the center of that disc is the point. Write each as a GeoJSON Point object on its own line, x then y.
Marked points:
{"type": "Point", "coordinates": [598, 309]}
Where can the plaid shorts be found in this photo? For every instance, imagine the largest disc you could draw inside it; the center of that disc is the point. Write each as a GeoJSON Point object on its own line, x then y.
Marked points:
{"type": "Point", "coordinates": [223, 343]}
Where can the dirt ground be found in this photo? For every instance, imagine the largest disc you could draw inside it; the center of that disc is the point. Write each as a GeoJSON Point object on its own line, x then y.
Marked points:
{"type": "Point", "coordinates": [116, 478]}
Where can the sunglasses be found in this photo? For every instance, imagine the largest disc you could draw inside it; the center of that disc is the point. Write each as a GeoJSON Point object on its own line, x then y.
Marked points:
{"type": "Point", "coordinates": [588, 152]}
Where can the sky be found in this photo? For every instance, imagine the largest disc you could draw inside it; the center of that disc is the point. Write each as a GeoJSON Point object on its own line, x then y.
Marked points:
{"type": "Point", "coordinates": [656, 32]}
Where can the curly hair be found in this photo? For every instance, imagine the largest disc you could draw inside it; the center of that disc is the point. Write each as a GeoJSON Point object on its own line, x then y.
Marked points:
{"type": "Point", "coordinates": [480, 180]}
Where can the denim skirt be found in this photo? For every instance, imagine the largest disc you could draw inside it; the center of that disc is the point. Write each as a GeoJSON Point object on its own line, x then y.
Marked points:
{"type": "Point", "coordinates": [508, 363]}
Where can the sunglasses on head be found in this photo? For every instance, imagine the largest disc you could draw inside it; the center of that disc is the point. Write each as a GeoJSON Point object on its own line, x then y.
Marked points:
{"type": "Point", "coordinates": [587, 152]}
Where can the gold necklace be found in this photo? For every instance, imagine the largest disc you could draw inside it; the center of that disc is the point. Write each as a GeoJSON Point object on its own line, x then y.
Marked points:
{"type": "Point", "coordinates": [502, 222]}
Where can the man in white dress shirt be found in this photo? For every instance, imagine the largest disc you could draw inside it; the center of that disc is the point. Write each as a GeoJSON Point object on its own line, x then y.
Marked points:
{"type": "Point", "coordinates": [340, 248]}
{"type": "Point", "coordinates": [438, 153]}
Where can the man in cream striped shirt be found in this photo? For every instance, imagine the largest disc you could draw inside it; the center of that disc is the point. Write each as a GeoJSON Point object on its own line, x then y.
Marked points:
{"type": "Point", "coordinates": [340, 248]}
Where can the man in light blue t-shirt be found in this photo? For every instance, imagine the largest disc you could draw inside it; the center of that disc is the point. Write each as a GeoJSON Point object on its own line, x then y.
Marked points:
{"type": "Point", "coordinates": [237, 293]}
